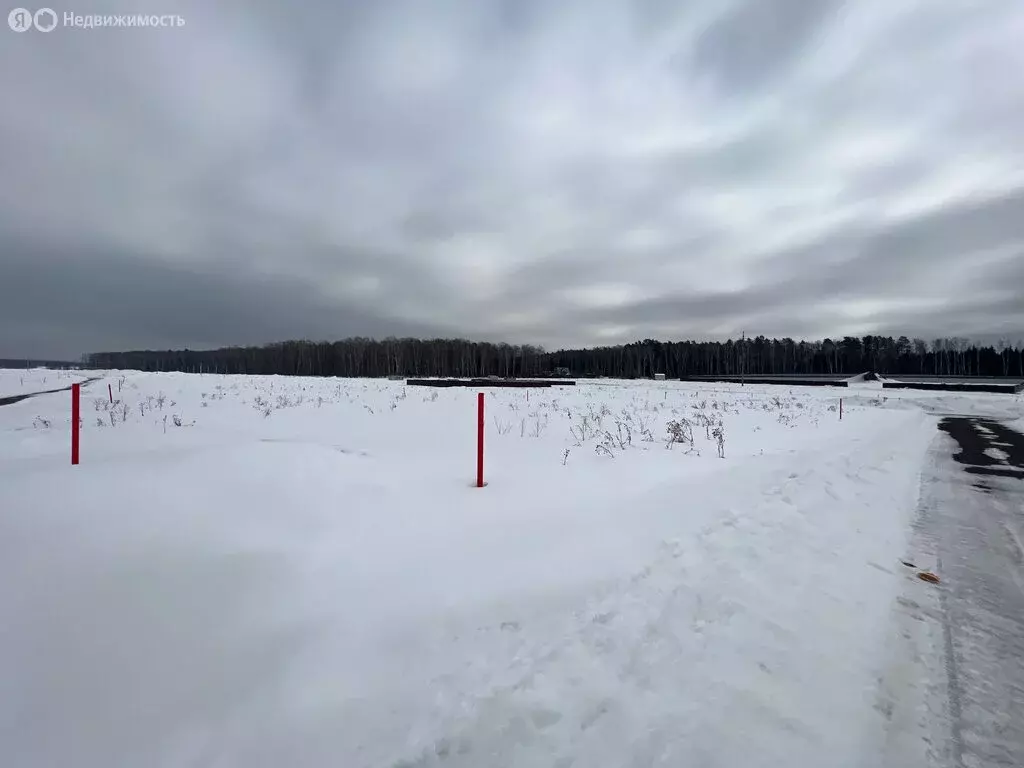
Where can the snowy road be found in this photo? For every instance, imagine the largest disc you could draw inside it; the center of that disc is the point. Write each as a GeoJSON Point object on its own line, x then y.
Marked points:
{"type": "Point", "coordinates": [12, 399]}
{"type": "Point", "coordinates": [970, 634]}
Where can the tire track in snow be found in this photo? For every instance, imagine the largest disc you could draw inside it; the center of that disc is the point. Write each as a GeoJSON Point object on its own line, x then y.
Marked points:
{"type": "Point", "coordinates": [608, 654]}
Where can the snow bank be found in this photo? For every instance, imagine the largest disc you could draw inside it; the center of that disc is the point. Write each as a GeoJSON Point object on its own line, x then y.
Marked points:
{"type": "Point", "coordinates": [302, 574]}
{"type": "Point", "coordinates": [984, 404]}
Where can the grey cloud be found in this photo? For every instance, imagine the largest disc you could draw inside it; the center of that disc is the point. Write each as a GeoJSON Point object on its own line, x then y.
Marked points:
{"type": "Point", "coordinates": [902, 258]}
{"type": "Point", "coordinates": [474, 168]}
{"type": "Point", "coordinates": [752, 43]}
{"type": "Point", "coordinates": [972, 316]}
{"type": "Point", "coordinates": [99, 296]}
{"type": "Point", "coordinates": [898, 264]}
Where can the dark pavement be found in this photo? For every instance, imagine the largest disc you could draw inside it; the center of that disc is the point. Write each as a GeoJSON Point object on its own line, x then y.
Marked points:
{"type": "Point", "coordinates": [974, 441]}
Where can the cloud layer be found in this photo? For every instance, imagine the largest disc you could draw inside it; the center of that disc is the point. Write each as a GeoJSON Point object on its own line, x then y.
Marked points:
{"type": "Point", "coordinates": [567, 173]}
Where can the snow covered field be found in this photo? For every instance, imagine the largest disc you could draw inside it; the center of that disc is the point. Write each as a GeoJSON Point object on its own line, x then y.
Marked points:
{"type": "Point", "coordinates": [24, 381]}
{"type": "Point", "coordinates": [270, 571]}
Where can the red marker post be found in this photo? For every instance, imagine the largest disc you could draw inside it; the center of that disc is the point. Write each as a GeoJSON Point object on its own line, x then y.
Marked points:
{"type": "Point", "coordinates": [840, 409]}
{"type": "Point", "coordinates": [480, 440]}
{"type": "Point", "coordinates": [76, 391]}
{"type": "Point", "coordinates": [110, 391]}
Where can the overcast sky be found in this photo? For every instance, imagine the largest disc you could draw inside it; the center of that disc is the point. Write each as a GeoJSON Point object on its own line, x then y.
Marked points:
{"type": "Point", "coordinates": [563, 173]}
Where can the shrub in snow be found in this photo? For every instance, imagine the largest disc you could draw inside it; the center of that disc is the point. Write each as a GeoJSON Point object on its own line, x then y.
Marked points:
{"type": "Point", "coordinates": [643, 424]}
{"type": "Point", "coordinates": [719, 434]}
{"type": "Point", "coordinates": [623, 435]}
{"type": "Point", "coordinates": [589, 425]}
{"type": "Point", "coordinates": [679, 431]}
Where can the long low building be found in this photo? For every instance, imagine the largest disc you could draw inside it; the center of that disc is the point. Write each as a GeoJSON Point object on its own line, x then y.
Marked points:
{"type": "Point", "coordinates": [492, 381]}
{"type": "Point", "coordinates": [795, 380]}
{"type": "Point", "coordinates": [954, 383]}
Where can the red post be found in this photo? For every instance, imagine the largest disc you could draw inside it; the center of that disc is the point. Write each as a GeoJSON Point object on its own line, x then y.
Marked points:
{"type": "Point", "coordinates": [75, 396]}
{"type": "Point", "coordinates": [840, 409]}
{"type": "Point", "coordinates": [110, 391]}
{"type": "Point", "coordinates": [480, 440]}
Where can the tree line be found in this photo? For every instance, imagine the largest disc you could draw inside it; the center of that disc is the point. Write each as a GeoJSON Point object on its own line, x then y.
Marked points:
{"type": "Point", "coordinates": [365, 357]}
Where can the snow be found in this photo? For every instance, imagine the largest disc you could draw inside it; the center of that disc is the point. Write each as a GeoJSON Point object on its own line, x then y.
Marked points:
{"type": "Point", "coordinates": [302, 573]}
{"type": "Point", "coordinates": [1001, 406]}
{"type": "Point", "coordinates": [25, 381]}
{"type": "Point", "coordinates": [996, 453]}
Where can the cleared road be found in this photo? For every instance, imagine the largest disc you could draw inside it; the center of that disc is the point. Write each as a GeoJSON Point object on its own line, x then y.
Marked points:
{"type": "Point", "coordinates": [970, 531]}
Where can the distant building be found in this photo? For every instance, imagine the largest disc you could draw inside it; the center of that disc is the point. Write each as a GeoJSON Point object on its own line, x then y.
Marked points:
{"type": "Point", "coordinates": [659, 377]}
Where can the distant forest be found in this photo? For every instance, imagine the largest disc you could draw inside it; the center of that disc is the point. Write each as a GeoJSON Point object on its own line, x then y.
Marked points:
{"type": "Point", "coordinates": [641, 359]}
